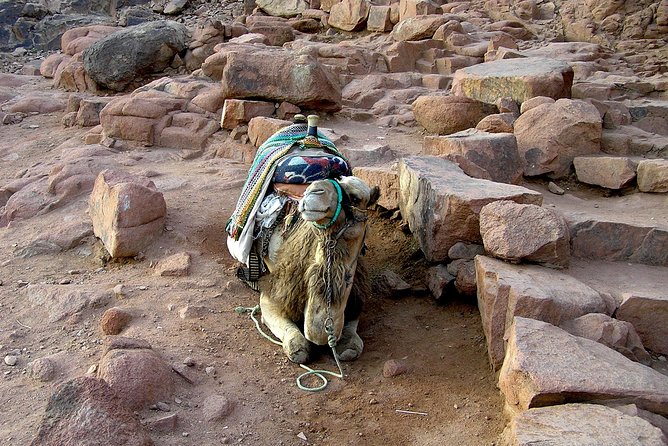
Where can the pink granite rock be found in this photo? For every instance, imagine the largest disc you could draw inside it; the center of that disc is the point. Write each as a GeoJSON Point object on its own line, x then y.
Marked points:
{"type": "Point", "coordinates": [128, 213]}
{"type": "Point", "coordinates": [525, 232]}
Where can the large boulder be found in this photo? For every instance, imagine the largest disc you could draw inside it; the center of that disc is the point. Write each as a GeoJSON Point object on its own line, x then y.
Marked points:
{"type": "Point", "coordinates": [138, 375]}
{"type": "Point", "coordinates": [349, 15]}
{"type": "Point", "coordinates": [525, 232]}
{"type": "Point", "coordinates": [249, 72]}
{"type": "Point", "coordinates": [87, 411]}
{"type": "Point", "coordinates": [444, 115]}
{"type": "Point", "coordinates": [115, 61]}
{"type": "Point", "coordinates": [580, 424]}
{"type": "Point", "coordinates": [545, 365]}
{"type": "Point", "coordinates": [520, 79]}
{"type": "Point", "coordinates": [418, 28]}
{"type": "Point", "coordinates": [506, 290]}
{"type": "Point", "coordinates": [551, 135]}
{"type": "Point", "coordinates": [612, 172]}
{"type": "Point", "coordinates": [128, 212]}
{"type": "Point", "coordinates": [653, 175]}
{"type": "Point", "coordinates": [494, 155]}
{"type": "Point", "coordinates": [441, 203]}
{"type": "Point", "coordinates": [282, 8]}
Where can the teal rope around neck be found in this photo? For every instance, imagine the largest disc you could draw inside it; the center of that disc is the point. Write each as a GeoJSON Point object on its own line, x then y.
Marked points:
{"type": "Point", "coordinates": [339, 199]}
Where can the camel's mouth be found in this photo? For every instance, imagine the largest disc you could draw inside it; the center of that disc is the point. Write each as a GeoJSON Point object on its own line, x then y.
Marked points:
{"type": "Point", "coordinates": [314, 214]}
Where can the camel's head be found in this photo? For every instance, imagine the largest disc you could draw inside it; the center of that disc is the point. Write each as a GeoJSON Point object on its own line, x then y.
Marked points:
{"type": "Point", "coordinates": [325, 201]}
{"type": "Point", "coordinates": [335, 204]}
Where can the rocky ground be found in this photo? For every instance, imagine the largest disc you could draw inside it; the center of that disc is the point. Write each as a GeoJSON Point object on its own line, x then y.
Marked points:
{"type": "Point", "coordinates": [574, 248]}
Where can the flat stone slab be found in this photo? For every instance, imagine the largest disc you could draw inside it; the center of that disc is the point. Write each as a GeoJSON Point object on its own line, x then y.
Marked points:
{"type": "Point", "coordinates": [506, 291]}
{"type": "Point", "coordinates": [545, 366]}
{"type": "Point", "coordinates": [441, 203]}
{"type": "Point", "coordinates": [520, 79]}
{"type": "Point", "coordinates": [582, 425]}
{"type": "Point", "coordinates": [612, 172]}
{"type": "Point", "coordinates": [632, 228]}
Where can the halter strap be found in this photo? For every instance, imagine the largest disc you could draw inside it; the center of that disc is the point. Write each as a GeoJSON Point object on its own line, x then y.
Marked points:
{"type": "Point", "coordinates": [339, 199]}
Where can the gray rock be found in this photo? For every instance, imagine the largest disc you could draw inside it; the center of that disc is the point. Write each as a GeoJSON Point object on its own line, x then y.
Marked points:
{"type": "Point", "coordinates": [11, 360]}
{"type": "Point", "coordinates": [439, 280]}
{"type": "Point", "coordinates": [216, 408]}
{"type": "Point", "coordinates": [465, 251]}
{"type": "Point", "coordinates": [118, 59]}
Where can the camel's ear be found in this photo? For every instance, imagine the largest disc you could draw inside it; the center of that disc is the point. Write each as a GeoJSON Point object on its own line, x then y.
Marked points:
{"type": "Point", "coordinates": [373, 196]}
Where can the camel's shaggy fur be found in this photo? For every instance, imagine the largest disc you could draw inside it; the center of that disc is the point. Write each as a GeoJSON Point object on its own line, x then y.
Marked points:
{"type": "Point", "coordinates": [294, 296]}
{"type": "Point", "coordinates": [300, 270]}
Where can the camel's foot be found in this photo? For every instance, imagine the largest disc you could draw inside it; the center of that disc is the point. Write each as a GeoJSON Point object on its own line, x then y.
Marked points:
{"type": "Point", "coordinates": [296, 346]}
{"type": "Point", "coordinates": [350, 345]}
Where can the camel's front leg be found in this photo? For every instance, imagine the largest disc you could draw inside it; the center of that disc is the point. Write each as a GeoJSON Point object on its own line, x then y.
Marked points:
{"type": "Point", "coordinates": [350, 344]}
{"type": "Point", "coordinates": [295, 345]}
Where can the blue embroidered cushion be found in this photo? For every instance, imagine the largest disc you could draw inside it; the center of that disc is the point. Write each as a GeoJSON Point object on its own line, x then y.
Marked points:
{"type": "Point", "coordinates": [302, 169]}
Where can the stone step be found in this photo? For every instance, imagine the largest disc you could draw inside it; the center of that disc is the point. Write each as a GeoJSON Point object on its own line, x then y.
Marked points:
{"type": "Point", "coordinates": [506, 291]}
{"type": "Point", "coordinates": [545, 366]}
{"type": "Point", "coordinates": [632, 228]}
{"type": "Point", "coordinates": [442, 204]}
{"type": "Point", "coordinates": [640, 293]}
{"type": "Point", "coordinates": [580, 424]}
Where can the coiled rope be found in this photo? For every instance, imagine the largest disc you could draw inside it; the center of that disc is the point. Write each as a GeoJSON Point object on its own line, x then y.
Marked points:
{"type": "Point", "coordinates": [331, 341]}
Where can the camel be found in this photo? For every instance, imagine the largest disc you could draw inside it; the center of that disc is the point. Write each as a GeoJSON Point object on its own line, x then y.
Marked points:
{"type": "Point", "coordinates": [316, 275]}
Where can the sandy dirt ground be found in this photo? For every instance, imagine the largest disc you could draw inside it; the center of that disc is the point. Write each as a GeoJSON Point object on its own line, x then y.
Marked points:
{"type": "Point", "coordinates": [448, 377]}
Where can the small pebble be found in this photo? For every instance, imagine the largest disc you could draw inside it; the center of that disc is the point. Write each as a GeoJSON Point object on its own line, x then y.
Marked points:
{"type": "Point", "coordinates": [210, 370]}
{"type": "Point", "coordinates": [393, 367]}
{"type": "Point", "coordinates": [11, 360]}
{"type": "Point", "coordinates": [456, 406]}
{"type": "Point", "coordinates": [162, 406]}
{"type": "Point", "coordinates": [190, 362]}
{"type": "Point", "coordinates": [92, 370]}
{"type": "Point", "coordinates": [552, 187]}
{"type": "Point", "coordinates": [662, 358]}
{"type": "Point", "coordinates": [185, 434]}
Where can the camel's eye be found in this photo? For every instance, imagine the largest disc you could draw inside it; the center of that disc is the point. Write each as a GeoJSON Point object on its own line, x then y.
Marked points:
{"type": "Point", "coordinates": [355, 200]}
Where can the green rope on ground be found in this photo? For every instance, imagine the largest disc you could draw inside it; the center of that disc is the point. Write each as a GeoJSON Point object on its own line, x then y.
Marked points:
{"type": "Point", "coordinates": [309, 371]}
